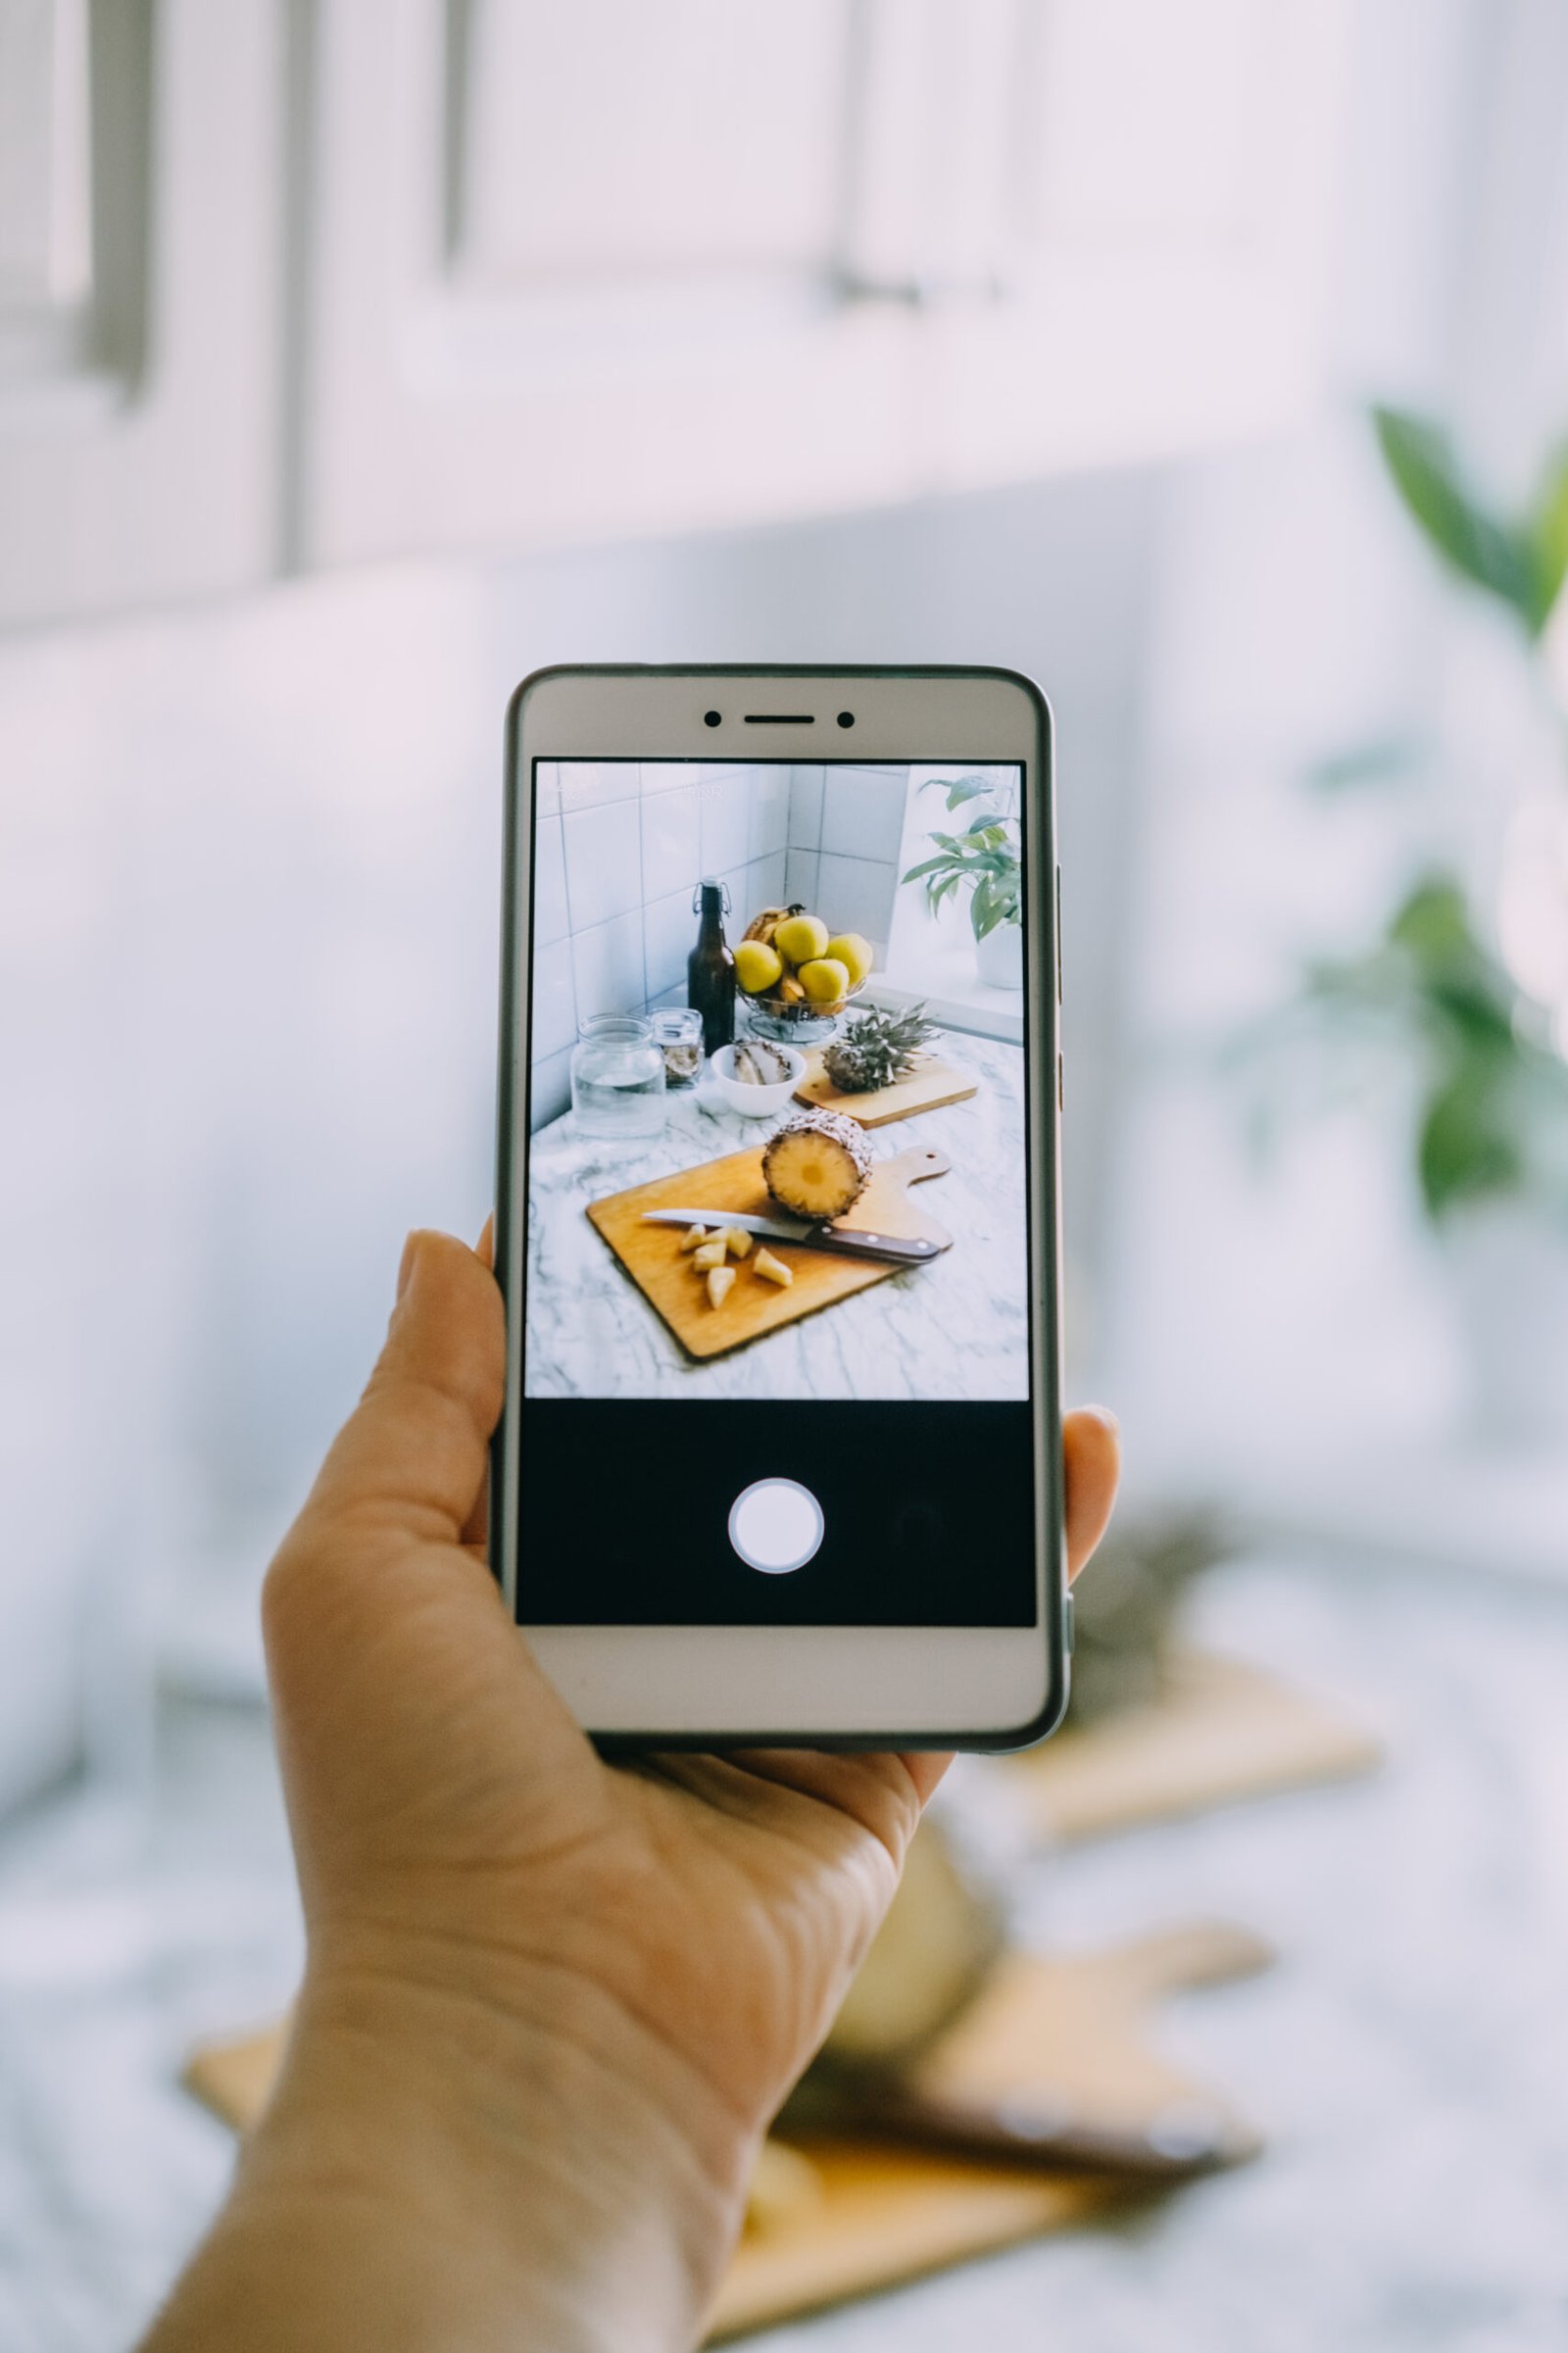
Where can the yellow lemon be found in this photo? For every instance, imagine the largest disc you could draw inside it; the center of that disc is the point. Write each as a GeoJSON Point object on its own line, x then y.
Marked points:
{"type": "Point", "coordinates": [824, 980]}
{"type": "Point", "coordinates": [853, 953]}
{"type": "Point", "coordinates": [801, 938]}
{"type": "Point", "coordinates": [756, 967]}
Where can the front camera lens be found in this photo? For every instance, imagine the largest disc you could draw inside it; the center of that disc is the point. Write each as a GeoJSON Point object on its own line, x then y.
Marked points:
{"type": "Point", "coordinates": [712, 718]}
{"type": "Point", "coordinates": [846, 718]}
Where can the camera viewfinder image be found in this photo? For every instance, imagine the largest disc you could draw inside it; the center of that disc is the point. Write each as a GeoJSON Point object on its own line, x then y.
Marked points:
{"type": "Point", "coordinates": [776, 1093]}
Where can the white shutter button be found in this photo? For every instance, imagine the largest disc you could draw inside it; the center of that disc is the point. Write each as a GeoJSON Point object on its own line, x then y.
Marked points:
{"type": "Point", "coordinates": [776, 1524]}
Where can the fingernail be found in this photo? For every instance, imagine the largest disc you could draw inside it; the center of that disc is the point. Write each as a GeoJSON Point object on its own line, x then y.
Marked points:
{"type": "Point", "coordinates": [1103, 1413]}
{"type": "Point", "coordinates": [405, 1263]}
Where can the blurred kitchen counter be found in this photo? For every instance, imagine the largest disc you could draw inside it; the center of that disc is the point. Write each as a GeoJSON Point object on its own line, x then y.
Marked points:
{"type": "Point", "coordinates": [1408, 2058]}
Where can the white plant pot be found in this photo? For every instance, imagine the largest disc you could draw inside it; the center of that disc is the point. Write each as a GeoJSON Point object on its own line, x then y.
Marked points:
{"type": "Point", "coordinates": [999, 956]}
{"type": "Point", "coordinates": [1508, 1274]}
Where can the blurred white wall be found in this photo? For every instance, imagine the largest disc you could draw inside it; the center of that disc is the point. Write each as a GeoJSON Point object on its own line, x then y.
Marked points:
{"type": "Point", "coordinates": [1277, 1328]}
{"type": "Point", "coordinates": [1105, 412]}
{"type": "Point", "coordinates": [251, 903]}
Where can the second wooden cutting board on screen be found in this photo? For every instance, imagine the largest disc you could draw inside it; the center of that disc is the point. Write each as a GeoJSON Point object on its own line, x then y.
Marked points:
{"type": "Point", "coordinates": [653, 1256]}
{"type": "Point", "coordinates": [926, 1088]}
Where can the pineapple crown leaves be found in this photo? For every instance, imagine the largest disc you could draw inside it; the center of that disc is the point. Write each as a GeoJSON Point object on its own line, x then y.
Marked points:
{"type": "Point", "coordinates": [879, 1046]}
{"type": "Point", "coordinates": [899, 1028]}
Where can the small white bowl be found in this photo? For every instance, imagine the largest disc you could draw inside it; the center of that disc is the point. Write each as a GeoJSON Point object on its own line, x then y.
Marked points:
{"type": "Point", "coordinates": [755, 1103]}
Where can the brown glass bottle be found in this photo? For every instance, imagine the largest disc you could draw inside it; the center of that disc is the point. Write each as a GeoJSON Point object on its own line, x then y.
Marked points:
{"type": "Point", "coordinates": [710, 970]}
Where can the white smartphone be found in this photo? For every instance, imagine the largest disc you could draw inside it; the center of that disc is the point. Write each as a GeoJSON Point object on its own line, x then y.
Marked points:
{"type": "Point", "coordinates": [777, 1205]}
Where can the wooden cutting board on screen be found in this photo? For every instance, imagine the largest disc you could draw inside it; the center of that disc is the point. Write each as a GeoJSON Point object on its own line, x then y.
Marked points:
{"type": "Point", "coordinates": [653, 1256]}
{"type": "Point", "coordinates": [929, 1085]}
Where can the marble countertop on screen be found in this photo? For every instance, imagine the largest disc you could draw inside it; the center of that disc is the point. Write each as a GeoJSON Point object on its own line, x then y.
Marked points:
{"type": "Point", "coordinates": [956, 1328]}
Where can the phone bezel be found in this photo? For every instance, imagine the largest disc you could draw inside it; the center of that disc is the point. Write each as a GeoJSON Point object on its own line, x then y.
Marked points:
{"type": "Point", "coordinates": [971, 1687]}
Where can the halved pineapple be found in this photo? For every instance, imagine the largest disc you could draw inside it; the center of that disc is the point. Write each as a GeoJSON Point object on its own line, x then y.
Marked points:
{"type": "Point", "coordinates": [818, 1164]}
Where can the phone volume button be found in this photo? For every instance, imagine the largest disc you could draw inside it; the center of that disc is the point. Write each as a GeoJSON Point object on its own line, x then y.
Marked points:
{"type": "Point", "coordinates": [1059, 935]}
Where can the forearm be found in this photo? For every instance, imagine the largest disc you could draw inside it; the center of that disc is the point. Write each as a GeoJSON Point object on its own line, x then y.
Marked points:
{"type": "Point", "coordinates": [434, 2173]}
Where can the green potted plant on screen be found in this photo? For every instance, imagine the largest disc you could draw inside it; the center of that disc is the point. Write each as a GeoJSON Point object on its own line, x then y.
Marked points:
{"type": "Point", "coordinates": [981, 862]}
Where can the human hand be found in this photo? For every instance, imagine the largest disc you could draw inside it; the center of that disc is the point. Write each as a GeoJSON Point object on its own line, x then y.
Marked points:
{"type": "Point", "coordinates": [550, 2003]}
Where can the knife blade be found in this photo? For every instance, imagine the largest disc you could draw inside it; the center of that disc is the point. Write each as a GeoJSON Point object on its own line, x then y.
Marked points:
{"type": "Point", "coordinates": [847, 1242]}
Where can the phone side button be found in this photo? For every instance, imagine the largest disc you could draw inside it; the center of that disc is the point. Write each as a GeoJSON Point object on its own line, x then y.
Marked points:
{"type": "Point", "coordinates": [1069, 1625]}
{"type": "Point", "coordinates": [1059, 935]}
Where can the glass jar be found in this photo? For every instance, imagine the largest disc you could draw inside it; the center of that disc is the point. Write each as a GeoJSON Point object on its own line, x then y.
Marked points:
{"type": "Point", "coordinates": [617, 1078]}
{"type": "Point", "coordinates": [678, 1031]}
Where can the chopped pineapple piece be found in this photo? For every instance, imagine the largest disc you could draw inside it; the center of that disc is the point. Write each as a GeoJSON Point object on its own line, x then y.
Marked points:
{"type": "Point", "coordinates": [721, 1279]}
{"type": "Point", "coordinates": [739, 1242]}
{"type": "Point", "coordinates": [709, 1255]}
{"type": "Point", "coordinates": [774, 1270]}
{"type": "Point", "coordinates": [693, 1238]}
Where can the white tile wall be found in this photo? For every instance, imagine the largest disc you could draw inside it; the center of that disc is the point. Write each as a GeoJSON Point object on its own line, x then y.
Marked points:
{"type": "Point", "coordinates": [862, 815]}
{"type": "Point", "coordinates": [855, 893]}
{"type": "Point", "coordinates": [801, 877]}
{"type": "Point", "coordinates": [673, 854]}
{"type": "Point", "coordinates": [726, 821]}
{"type": "Point", "coordinates": [668, 931]}
{"type": "Point", "coordinates": [549, 918]}
{"type": "Point", "coordinates": [603, 863]}
{"type": "Point", "coordinates": [845, 827]}
{"type": "Point", "coordinates": [769, 828]}
{"type": "Point", "coordinates": [805, 805]}
{"type": "Point", "coordinates": [607, 966]}
{"type": "Point", "coordinates": [555, 1017]}
{"type": "Point", "coordinates": [590, 783]}
{"type": "Point", "coordinates": [620, 846]}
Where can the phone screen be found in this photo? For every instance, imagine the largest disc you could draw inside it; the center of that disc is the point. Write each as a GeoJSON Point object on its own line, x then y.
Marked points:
{"type": "Point", "coordinates": [729, 1075]}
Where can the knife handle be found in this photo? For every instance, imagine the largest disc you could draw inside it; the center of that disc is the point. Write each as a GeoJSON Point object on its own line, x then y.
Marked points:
{"type": "Point", "coordinates": [855, 1242]}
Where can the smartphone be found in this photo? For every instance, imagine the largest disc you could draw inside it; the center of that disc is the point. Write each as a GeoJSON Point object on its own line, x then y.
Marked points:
{"type": "Point", "coordinates": [777, 1205]}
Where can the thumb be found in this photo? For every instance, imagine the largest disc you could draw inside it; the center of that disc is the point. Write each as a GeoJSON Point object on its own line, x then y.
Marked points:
{"type": "Point", "coordinates": [412, 1457]}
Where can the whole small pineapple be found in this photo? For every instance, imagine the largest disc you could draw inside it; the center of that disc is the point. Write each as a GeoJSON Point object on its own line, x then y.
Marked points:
{"type": "Point", "coordinates": [880, 1047]}
{"type": "Point", "coordinates": [817, 1164]}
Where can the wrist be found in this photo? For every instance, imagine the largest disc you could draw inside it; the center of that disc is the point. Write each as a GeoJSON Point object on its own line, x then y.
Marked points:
{"type": "Point", "coordinates": [581, 2176]}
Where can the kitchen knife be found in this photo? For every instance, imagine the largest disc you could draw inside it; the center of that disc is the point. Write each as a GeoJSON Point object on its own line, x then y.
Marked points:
{"type": "Point", "coordinates": [847, 1242]}
{"type": "Point", "coordinates": [1188, 2137]}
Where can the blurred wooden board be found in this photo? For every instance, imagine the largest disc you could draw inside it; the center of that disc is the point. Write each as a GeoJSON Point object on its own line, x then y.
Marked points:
{"type": "Point", "coordinates": [1219, 1730]}
{"type": "Point", "coordinates": [1065, 2042]}
{"type": "Point", "coordinates": [930, 1084]}
{"type": "Point", "coordinates": [1068, 2034]}
{"type": "Point", "coordinates": [234, 2077]}
{"type": "Point", "coordinates": [884, 2215]}
{"type": "Point", "coordinates": [653, 1257]}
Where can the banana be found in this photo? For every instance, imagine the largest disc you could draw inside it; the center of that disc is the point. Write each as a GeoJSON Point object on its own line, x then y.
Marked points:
{"type": "Point", "coordinates": [763, 926]}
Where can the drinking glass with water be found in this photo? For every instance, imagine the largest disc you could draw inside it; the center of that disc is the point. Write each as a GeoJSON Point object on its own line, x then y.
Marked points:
{"type": "Point", "coordinates": [617, 1078]}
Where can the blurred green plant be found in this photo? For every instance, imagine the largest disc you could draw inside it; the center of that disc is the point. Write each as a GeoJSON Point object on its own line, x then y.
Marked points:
{"type": "Point", "coordinates": [1491, 1098]}
{"type": "Point", "coordinates": [1520, 559]}
{"type": "Point", "coordinates": [1491, 1112]}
